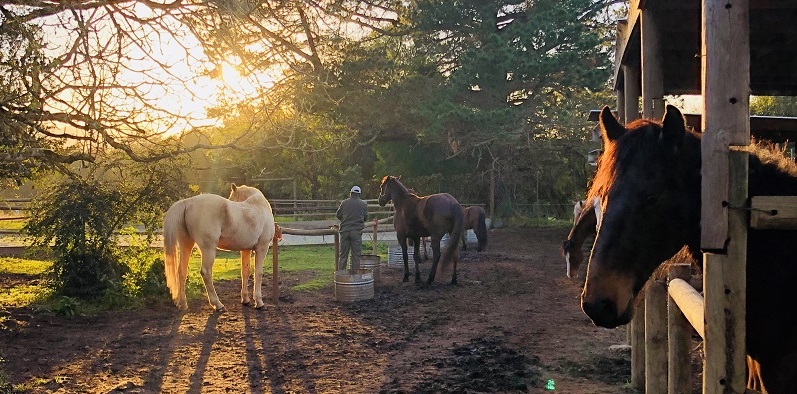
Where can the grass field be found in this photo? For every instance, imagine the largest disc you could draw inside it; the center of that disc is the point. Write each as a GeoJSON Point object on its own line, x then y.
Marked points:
{"type": "Point", "coordinates": [314, 263]}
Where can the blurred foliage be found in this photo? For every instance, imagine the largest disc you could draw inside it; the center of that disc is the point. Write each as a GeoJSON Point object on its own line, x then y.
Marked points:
{"type": "Point", "coordinates": [79, 217]}
{"type": "Point", "coordinates": [773, 105]}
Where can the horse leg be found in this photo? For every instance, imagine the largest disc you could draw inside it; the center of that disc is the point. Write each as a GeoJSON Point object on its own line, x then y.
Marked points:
{"type": "Point", "coordinates": [465, 239]}
{"type": "Point", "coordinates": [455, 257]}
{"type": "Point", "coordinates": [435, 258]}
{"type": "Point", "coordinates": [417, 257]}
{"type": "Point", "coordinates": [186, 246]}
{"type": "Point", "coordinates": [260, 257]}
{"type": "Point", "coordinates": [403, 244]}
{"type": "Point", "coordinates": [208, 256]}
{"type": "Point", "coordinates": [245, 258]}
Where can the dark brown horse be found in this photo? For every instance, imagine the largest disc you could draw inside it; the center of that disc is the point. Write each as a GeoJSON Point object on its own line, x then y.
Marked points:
{"type": "Point", "coordinates": [586, 224]}
{"type": "Point", "coordinates": [476, 220]}
{"type": "Point", "coordinates": [428, 216]}
{"type": "Point", "coordinates": [649, 182]}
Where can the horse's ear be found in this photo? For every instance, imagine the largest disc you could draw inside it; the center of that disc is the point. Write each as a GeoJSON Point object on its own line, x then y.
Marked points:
{"type": "Point", "coordinates": [233, 187]}
{"type": "Point", "coordinates": [673, 125]}
{"type": "Point", "coordinates": [610, 127]}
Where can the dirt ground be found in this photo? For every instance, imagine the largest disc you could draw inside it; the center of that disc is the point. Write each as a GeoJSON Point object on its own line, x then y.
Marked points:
{"type": "Point", "coordinates": [512, 325]}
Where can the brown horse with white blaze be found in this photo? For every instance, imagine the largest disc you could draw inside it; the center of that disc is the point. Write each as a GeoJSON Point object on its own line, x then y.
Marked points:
{"type": "Point", "coordinates": [428, 216]}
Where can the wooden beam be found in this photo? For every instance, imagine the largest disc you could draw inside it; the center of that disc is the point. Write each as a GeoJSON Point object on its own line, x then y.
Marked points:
{"type": "Point", "coordinates": [724, 286]}
{"type": "Point", "coordinates": [726, 96]}
{"type": "Point", "coordinates": [656, 338]}
{"type": "Point", "coordinates": [275, 288]}
{"type": "Point", "coordinates": [638, 348]}
{"type": "Point", "coordinates": [679, 329]}
{"type": "Point", "coordinates": [631, 88]}
{"type": "Point", "coordinates": [652, 71]}
{"type": "Point", "coordinates": [774, 212]}
{"type": "Point", "coordinates": [689, 302]}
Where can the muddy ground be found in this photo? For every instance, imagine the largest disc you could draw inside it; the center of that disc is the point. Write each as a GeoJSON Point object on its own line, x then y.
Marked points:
{"type": "Point", "coordinates": [511, 325]}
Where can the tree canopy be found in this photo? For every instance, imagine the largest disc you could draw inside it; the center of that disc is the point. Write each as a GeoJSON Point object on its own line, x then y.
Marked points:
{"type": "Point", "coordinates": [320, 89]}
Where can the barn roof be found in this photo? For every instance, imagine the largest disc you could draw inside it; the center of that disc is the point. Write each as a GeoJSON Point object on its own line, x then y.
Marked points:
{"type": "Point", "coordinates": [773, 45]}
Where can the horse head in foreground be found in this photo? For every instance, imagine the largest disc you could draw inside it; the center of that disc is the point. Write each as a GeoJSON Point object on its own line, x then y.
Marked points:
{"type": "Point", "coordinates": [648, 183]}
{"type": "Point", "coordinates": [243, 222]}
{"type": "Point", "coordinates": [428, 216]}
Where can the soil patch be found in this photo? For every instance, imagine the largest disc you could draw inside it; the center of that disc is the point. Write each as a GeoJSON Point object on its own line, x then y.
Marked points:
{"type": "Point", "coordinates": [512, 325]}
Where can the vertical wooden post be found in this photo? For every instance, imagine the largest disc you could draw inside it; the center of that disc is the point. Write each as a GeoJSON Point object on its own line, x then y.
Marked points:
{"type": "Point", "coordinates": [492, 194]}
{"type": "Point", "coordinates": [620, 94]}
{"type": "Point", "coordinates": [656, 338]}
{"type": "Point", "coordinates": [652, 73]}
{"type": "Point", "coordinates": [376, 224]}
{"type": "Point", "coordinates": [726, 108]}
{"type": "Point", "coordinates": [725, 286]}
{"type": "Point", "coordinates": [678, 339]}
{"type": "Point", "coordinates": [275, 290]}
{"type": "Point", "coordinates": [726, 122]}
{"type": "Point", "coordinates": [295, 198]}
{"type": "Point", "coordinates": [337, 251]}
{"type": "Point", "coordinates": [638, 348]}
{"type": "Point", "coordinates": [631, 88]}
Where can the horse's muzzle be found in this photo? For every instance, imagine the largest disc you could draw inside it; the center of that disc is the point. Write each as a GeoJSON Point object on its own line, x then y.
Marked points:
{"type": "Point", "coordinates": [603, 313]}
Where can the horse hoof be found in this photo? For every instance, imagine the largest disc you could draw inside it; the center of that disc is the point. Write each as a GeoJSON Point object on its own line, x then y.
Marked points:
{"type": "Point", "coordinates": [406, 278]}
{"type": "Point", "coordinates": [454, 282]}
{"type": "Point", "coordinates": [246, 302]}
{"type": "Point", "coordinates": [260, 306]}
{"type": "Point", "coordinates": [221, 309]}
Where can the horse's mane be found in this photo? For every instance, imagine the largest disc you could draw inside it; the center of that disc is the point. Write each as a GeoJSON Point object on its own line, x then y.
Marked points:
{"type": "Point", "coordinates": [617, 154]}
{"type": "Point", "coordinates": [398, 183]}
{"type": "Point", "coordinates": [769, 154]}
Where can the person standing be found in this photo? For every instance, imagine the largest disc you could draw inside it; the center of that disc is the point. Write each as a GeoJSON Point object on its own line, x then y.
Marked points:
{"type": "Point", "coordinates": [352, 214]}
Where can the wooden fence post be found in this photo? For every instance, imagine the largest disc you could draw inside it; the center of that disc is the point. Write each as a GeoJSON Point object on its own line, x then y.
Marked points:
{"type": "Point", "coordinates": [275, 290]}
{"type": "Point", "coordinates": [376, 224]}
{"type": "Point", "coordinates": [638, 348]}
{"type": "Point", "coordinates": [337, 252]}
{"type": "Point", "coordinates": [678, 338]}
{"type": "Point", "coordinates": [656, 337]}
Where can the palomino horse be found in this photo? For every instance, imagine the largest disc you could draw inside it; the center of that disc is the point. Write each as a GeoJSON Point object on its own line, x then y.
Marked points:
{"type": "Point", "coordinates": [244, 223]}
{"type": "Point", "coordinates": [649, 184]}
{"type": "Point", "coordinates": [476, 220]}
{"type": "Point", "coordinates": [429, 216]}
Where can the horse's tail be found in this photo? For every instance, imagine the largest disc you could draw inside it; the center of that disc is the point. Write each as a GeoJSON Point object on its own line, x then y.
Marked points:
{"type": "Point", "coordinates": [456, 232]}
{"type": "Point", "coordinates": [173, 225]}
{"type": "Point", "coordinates": [481, 230]}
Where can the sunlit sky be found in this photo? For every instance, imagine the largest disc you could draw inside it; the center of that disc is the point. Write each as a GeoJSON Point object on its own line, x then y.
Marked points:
{"type": "Point", "coordinates": [172, 73]}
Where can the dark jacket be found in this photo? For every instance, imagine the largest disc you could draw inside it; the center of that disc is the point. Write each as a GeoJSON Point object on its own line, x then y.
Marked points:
{"type": "Point", "coordinates": [352, 214]}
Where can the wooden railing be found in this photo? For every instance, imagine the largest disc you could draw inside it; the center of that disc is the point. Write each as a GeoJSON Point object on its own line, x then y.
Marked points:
{"type": "Point", "coordinates": [678, 306]}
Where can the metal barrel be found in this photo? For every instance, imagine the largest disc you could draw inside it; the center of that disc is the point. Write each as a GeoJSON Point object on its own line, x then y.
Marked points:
{"type": "Point", "coordinates": [395, 260]}
{"type": "Point", "coordinates": [372, 262]}
{"type": "Point", "coordinates": [354, 285]}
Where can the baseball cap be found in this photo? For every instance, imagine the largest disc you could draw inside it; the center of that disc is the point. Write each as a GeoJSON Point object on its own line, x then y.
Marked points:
{"type": "Point", "coordinates": [356, 189]}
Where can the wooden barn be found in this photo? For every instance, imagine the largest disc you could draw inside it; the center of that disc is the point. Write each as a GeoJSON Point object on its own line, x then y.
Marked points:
{"type": "Point", "coordinates": [725, 51]}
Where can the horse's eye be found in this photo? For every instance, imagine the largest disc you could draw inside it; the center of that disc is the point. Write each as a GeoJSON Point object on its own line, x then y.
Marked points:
{"type": "Point", "coordinates": [652, 198]}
